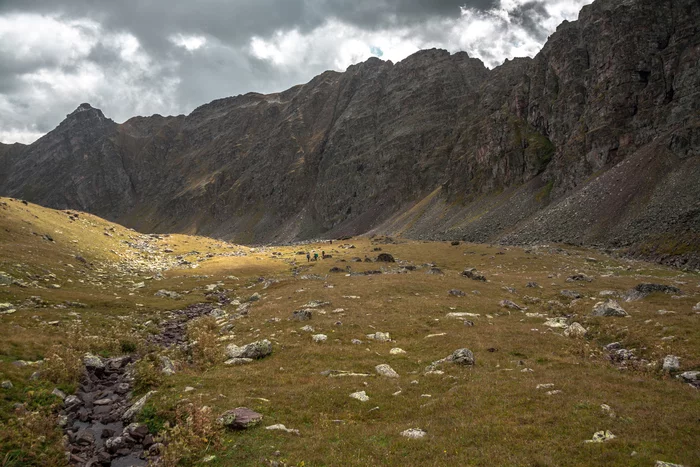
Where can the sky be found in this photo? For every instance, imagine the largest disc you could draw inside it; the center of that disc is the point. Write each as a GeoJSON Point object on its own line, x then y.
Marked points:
{"type": "Point", "coordinates": [142, 57]}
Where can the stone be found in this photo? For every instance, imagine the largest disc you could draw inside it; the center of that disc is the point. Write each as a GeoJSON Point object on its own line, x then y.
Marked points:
{"type": "Point", "coordinates": [558, 322]}
{"type": "Point", "coordinates": [93, 362]}
{"type": "Point", "coordinates": [533, 285]}
{"type": "Point", "coordinates": [570, 294]}
{"type": "Point", "coordinates": [462, 357]}
{"type": "Point", "coordinates": [137, 407]}
{"type": "Point", "coordinates": [281, 427]}
{"type": "Point", "coordinates": [240, 418]}
{"type": "Point", "coordinates": [238, 361]}
{"type": "Point", "coordinates": [254, 350]}
{"type": "Point", "coordinates": [666, 464]}
{"type": "Point", "coordinates": [380, 336]}
{"type": "Point", "coordinates": [318, 338]}
{"type": "Point", "coordinates": [473, 274]}
{"type": "Point", "coordinates": [413, 433]}
{"type": "Point", "coordinates": [7, 384]}
{"type": "Point", "coordinates": [579, 278]}
{"type": "Point", "coordinates": [609, 308]}
{"type": "Point", "coordinates": [302, 315]}
{"type": "Point", "coordinates": [511, 305]}
{"type": "Point", "coordinates": [671, 363]}
{"type": "Point", "coordinates": [435, 271]}
{"type": "Point", "coordinates": [642, 290]}
{"type": "Point", "coordinates": [691, 377]}
{"type": "Point", "coordinates": [575, 330]}
{"type": "Point", "coordinates": [167, 367]}
{"type": "Point", "coordinates": [168, 294]}
{"type": "Point", "coordinates": [386, 370]}
{"type": "Point", "coordinates": [307, 328]}
{"type": "Point", "coordinates": [397, 351]}
{"type": "Point", "coordinates": [601, 436]}
{"type": "Point", "coordinates": [456, 293]}
{"type": "Point", "coordinates": [360, 396]}
{"type": "Point", "coordinates": [385, 258]}
{"type": "Point", "coordinates": [255, 297]}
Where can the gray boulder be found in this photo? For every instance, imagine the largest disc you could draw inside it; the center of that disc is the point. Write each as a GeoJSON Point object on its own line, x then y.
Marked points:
{"type": "Point", "coordinates": [608, 308]}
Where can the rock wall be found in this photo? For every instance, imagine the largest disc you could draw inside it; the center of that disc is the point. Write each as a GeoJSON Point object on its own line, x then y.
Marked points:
{"type": "Point", "coordinates": [592, 141]}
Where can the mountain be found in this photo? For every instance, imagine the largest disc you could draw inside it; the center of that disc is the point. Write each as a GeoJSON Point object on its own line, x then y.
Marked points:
{"type": "Point", "coordinates": [594, 141]}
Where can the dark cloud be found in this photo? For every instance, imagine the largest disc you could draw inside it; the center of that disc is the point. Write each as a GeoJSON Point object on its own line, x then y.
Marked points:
{"type": "Point", "coordinates": [161, 56]}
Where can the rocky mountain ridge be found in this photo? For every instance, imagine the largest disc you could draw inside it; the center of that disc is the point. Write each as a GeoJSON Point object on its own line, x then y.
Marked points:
{"type": "Point", "coordinates": [594, 141]}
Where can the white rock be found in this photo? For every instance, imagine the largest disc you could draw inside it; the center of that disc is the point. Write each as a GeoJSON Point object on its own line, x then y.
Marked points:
{"type": "Point", "coordinates": [386, 370]}
{"type": "Point", "coordinates": [462, 315]}
{"type": "Point", "coordinates": [671, 363]}
{"type": "Point", "coordinates": [397, 351]}
{"type": "Point", "coordinates": [135, 409]}
{"type": "Point", "coordinates": [318, 338]}
{"type": "Point", "coordinates": [601, 436]}
{"type": "Point", "coordinates": [575, 331]}
{"type": "Point", "coordinates": [414, 433]}
{"type": "Point", "coordinates": [360, 396]}
{"type": "Point", "coordinates": [545, 386]}
{"type": "Point", "coordinates": [308, 328]}
{"type": "Point", "coordinates": [559, 322]}
{"type": "Point", "coordinates": [379, 336]}
{"type": "Point", "coordinates": [281, 427]}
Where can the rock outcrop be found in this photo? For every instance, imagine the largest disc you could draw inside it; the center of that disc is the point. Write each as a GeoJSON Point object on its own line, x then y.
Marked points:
{"type": "Point", "coordinates": [593, 141]}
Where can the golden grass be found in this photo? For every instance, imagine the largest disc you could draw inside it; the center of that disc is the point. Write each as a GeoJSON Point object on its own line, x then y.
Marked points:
{"type": "Point", "coordinates": [489, 414]}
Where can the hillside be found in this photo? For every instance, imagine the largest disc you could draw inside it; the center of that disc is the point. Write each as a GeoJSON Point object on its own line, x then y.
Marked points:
{"type": "Point", "coordinates": [592, 142]}
{"type": "Point", "coordinates": [94, 316]}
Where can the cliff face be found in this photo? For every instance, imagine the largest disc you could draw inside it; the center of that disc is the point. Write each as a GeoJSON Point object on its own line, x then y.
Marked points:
{"type": "Point", "coordinates": [594, 141]}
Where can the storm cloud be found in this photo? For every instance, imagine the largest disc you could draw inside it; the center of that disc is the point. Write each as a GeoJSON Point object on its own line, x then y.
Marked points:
{"type": "Point", "coordinates": [139, 58]}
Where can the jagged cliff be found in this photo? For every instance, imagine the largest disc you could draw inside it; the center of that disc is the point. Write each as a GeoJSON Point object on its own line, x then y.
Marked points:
{"type": "Point", "coordinates": [594, 141]}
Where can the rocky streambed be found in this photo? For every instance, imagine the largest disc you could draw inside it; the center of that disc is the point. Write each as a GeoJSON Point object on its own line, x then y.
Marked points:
{"type": "Point", "coordinates": [98, 419]}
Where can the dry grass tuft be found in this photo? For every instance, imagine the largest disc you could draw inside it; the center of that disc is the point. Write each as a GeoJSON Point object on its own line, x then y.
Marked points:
{"type": "Point", "coordinates": [203, 333]}
{"type": "Point", "coordinates": [194, 434]}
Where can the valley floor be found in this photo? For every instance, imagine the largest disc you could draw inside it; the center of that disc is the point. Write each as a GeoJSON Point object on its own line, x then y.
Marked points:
{"type": "Point", "coordinates": [71, 283]}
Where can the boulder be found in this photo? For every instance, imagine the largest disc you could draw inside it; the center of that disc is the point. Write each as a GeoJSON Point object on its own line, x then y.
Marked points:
{"type": "Point", "coordinates": [456, 293]}
{"type": "Point", "coordinates": [254, 350]}
{"type": "Point", "coordinates": [608, 308]}
{"type": "Point", "coordinates": [386, 370]}
{"type": "Point", "coordinates": [473, 274]}
{"type": "Point", "coordinates": [360, 396]}
{"type": "Point", "coordinates": [137, 407]}
{"type": "Point", "coordinates": [93, 362]}
{"type": "Point", "coordinates": [576, 331]}
{"type": "Point", "coordinates": [462, 357]}
{"type": "Point", "coordinates": [385, 258]}
{"type": "Point", "coordinates": [302, 315]}
{"type": "Point", "coordinates": [642, 290]}
{"type": "Point", "coordinates": [671, 363]}
{"type": "Point", "coordinates": [240, 418]}
{"type": "Point", "coordinates": [413, 433]}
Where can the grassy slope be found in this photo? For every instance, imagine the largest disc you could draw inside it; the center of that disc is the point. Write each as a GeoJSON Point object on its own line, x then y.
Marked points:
{"type": "Point", "coordinates": [490, 414]}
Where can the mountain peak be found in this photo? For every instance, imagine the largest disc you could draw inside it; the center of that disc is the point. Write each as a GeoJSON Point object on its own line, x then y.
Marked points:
{"type": "Point", "coordinates": [85, 110]}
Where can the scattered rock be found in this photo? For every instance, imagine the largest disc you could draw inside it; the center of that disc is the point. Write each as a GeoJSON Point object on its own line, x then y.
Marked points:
{"type": "Point", "coordinates": [413, 433]}
{"type": "Point", "coordinates": [435, 271]}
{"type": "Point", "coordinates": [318, 338]}
{"type": "Point", "coordinates": [533, 285]}
{"type": "Point", "coordinates": [360, 396]}
{"type": "Point", "coordinates": [473, 274]}
{"type": "Point", "coordinates": [570, 294]}
{"type": "Point", "coordinates": [385, 258]}
{"type": "Point", "coordinates": [281, 427]}
{"type": "Point", "coordinates": [456, 293]}
{"type": "Point", "coordinates": [7, 384]}
{"type": "Point", "coordinates": [58, 393]}
{"type": "Point", "coordinates": [671, 363]}
{"type": "Point", "coordinates": [397, 351]}
{"type": "Point", "coordinates": [137, 407]}
{"type": "Point", "coordinates": [379, 336]}
{"type": "Point", "coordinates": [168, 294]}
{"type": "Point", "coordinates": [386, 370]}
{"type": "Point", "coordinates": [93, 361]}
{"type": "Point", "coordinates": [576, 331]}
{"type": "Point", "coordinates": [666, 464]}
{"type": "Point", "coordinates": [254, 350]}
{"type": "Point", "coordinates": [302, 315]}
{"type": "Point", "coordinates": [642, 290]}
{"type": "Point", "coordinates": [690, 377]}
{"type": "Point", "coordinates": [240, 418]}
{"type": "Point", "coordinates": [601, 436]}
{"type": "Point", "coordinates": [307, 328]}
{"type": "Point", "coordinates": [608, 308]}
{"type": "Point", "coordinates": [579, 278]}
{"type": "Point", "coordinates": [511, 305]}
{"type": "Point", "coordinates": [167, 367]}
{"type": "Point", "coordinates": [462, 357]}
{"type": "Point", "coordinates": [558, 322]}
